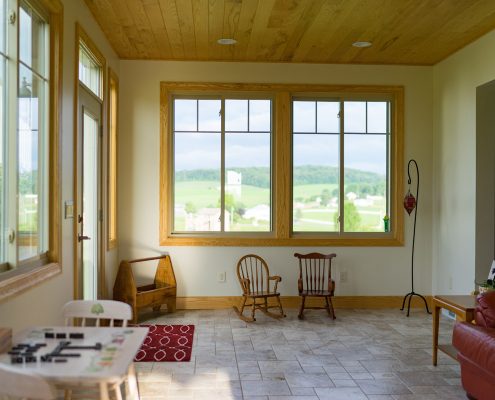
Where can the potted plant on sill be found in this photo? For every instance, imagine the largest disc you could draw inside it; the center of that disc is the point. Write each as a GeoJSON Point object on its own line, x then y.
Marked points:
{"type": "Point", "coordinates": [486, 286]}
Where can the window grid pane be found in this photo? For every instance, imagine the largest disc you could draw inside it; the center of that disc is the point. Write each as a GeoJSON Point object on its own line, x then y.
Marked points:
{"type": "Point", "coordinates": [198, 176]}
{"type": "Point", "coordinates": [317, 198]}
{"type": "Point", "coordinates": [89, 71]}
{"type": "Point", "coordinates": [366, 162]}
{"type": "Point", "coordinates": [32, 137]}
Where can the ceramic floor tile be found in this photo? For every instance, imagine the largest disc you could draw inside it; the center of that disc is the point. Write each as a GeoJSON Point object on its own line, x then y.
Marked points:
{"type": "Point", "coordinates": [340, 394]}
{"type": "Point", "coordinates": [383, 386]}
{"type": "Point", "coordinates": [363, 354]}
{"type": "Point", "coordinates": [308, 380]}
{"type": "Point", "coordinates": [265, 388]}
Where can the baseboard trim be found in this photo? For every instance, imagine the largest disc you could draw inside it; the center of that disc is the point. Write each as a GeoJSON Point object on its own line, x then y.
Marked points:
{"type": "Point", "coordinates": [370, 302]}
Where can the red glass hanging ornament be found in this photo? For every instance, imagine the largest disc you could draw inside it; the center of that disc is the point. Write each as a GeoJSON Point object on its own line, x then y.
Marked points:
{"type": "Point", "coordinates": [409, 202]}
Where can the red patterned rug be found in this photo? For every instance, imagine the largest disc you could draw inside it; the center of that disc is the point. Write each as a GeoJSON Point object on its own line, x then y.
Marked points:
{"type": "Point", "coordinates": [166, 343]}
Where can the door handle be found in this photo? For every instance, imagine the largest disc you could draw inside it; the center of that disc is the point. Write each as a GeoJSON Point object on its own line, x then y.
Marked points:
{"type": "Point", "coordinates": [80, 238]}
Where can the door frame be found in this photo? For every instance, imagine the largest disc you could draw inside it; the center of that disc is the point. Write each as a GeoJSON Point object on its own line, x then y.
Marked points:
{"type": "Point", "coordinates": [82, 37]}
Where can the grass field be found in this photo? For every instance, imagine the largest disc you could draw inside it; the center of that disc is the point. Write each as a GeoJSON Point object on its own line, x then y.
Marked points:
{"type": "Point", "coordinates": [206, 194]}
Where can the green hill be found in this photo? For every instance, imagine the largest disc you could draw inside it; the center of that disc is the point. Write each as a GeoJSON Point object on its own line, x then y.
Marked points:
{"type": "Point", "coordinates": [303, 175]}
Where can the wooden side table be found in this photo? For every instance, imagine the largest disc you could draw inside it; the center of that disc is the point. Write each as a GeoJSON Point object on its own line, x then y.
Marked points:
{"type": "Point", "coordinates": [462, 306]}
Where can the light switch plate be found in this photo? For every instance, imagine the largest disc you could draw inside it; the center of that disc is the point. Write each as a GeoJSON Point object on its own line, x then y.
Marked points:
{"type": "Point", "coordinates": [69, 209]}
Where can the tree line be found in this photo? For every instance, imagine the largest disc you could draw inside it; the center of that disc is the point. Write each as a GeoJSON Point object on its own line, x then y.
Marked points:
{"type": "Point", "coordinates": [302, 175]}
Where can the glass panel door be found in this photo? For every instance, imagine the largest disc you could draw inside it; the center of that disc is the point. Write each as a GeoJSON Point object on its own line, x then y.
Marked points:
{"type": "Point", "coordinates": [89, 196]}
{"type": "Point", "coordinates": [89, 206]}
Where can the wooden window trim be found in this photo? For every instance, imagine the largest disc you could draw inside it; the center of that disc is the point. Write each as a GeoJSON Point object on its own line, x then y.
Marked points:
{"type": "Point", "coordinates": [22, 278]}
{"type": "Point", "coordinates": [282, 140]}
{"type": "Point", "coordinates": [112, 170]}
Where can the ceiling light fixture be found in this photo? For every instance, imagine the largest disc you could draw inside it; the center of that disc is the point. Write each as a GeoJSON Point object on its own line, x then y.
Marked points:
{"type": "Point", "coordinates": [362, 44]}
{"type": "Point", "coordinates": [226, 41]}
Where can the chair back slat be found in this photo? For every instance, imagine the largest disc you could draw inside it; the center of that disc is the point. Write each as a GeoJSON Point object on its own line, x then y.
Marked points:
{"type": "Point", "coordinates": [97, 310]}
{"type": "Point", "coordinates": [255, 269]}
{"type": "Point", "coordinates": [315, 271]}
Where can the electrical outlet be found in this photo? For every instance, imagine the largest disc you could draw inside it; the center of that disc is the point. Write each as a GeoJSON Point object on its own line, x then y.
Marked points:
{"type": "Point", "coordinates": [221, 277]}
{"type": "Point", "coordinates": [343, 276]}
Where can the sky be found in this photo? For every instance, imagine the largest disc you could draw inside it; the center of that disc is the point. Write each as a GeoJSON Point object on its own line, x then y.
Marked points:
{"type": "Point", "coordinates": [317, 144]}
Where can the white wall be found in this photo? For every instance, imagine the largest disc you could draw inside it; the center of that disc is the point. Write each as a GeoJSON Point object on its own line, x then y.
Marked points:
{"type": "Point", "coordinates": [455, 82]}
{"type": "Point", "coordinates": [42, 304]}
{"type": "Point", "coordinates": [371, 271]}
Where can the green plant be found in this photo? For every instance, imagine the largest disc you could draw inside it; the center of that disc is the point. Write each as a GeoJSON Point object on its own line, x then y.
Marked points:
{"type": "Point", "coordinates": [489, 284]}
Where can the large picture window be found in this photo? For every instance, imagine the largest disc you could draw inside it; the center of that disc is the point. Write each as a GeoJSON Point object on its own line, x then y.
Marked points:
{"type": "Point", "coordinates": [281, 165]}
{"type": "Point", "coordinates": [340, 159]}
{"type": "Point", "coordinates": [222, 164]}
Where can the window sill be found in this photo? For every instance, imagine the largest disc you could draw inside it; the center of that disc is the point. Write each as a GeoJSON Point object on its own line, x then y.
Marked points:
{"type": "Point", "coordinates": [23, 278]}
{"type": "Point", "coordinates": [382, 241]}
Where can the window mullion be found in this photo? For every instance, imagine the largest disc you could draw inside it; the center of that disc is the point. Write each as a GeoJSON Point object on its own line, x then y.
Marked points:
{"type": "Point", "coordinates": [341, 169]}
{"type": "Point", "coordinates": [222, 166]}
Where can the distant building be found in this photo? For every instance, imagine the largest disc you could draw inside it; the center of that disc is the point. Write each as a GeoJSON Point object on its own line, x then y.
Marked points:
{"type": "Point", "coordinates": [261, 212]}
{"type": "Point", "coordinates": [234, 183]}
{"type": "Point", "coordinates": [206, 219]}
{"type": "Point", "coordinates": [351, 196]}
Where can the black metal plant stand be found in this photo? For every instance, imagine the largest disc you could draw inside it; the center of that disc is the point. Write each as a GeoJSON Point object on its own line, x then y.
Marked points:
{"type": "Point", "coordinates": [412, 292]}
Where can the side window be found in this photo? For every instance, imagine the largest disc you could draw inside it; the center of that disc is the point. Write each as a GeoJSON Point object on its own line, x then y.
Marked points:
{"type": "Point", "coordinates": [32, 134]}
{"type": "Point", "coordinates": [30, 96]}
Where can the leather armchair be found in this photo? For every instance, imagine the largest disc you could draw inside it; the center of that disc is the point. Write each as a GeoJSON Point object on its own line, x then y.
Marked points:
{"type": "Point", "coordinates": [475, 344]}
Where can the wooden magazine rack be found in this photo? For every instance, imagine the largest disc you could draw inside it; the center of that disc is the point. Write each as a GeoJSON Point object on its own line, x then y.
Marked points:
{"type": "Point", "coordinates": [162, 291]}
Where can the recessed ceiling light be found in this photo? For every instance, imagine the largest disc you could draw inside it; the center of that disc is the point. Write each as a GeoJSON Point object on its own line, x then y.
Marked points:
{"type": "Point", "coordinates": [362, 44]}
{"type": "Point", "coordinates": [226, 41]}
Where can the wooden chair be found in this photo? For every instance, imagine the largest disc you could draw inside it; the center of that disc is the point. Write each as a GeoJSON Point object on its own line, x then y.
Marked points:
{"type": "Point", "coordinates": [315, 280]}
{"type": "Point", "coordinates": [94, 312]}
{"type": "Point", "coordinates": [254, 277]}
{"type": "Point", "coordinates": [163, 290]}
{"type": "Point", "coordinates": [18, 384]}
{"type": "Point", "coordinates": [97, 310]}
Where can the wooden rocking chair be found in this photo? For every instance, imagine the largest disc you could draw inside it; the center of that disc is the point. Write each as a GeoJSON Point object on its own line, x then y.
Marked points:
{"type": "Point", "coordinates": [315, 279]}
{"type": "Point", "coordinates": [255, 278]}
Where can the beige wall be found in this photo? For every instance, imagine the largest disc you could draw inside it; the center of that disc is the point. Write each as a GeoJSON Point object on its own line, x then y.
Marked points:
{"type": "Point", "coordinates": [42, 304]}
{"type": "Point", "coordinates": [455, 82]}
{"type": "Point", "coordinates": [371, 271]}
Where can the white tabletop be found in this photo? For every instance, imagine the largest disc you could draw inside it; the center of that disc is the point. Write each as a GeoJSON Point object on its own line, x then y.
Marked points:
{"type": "Point", "coordinates": [119, 346]}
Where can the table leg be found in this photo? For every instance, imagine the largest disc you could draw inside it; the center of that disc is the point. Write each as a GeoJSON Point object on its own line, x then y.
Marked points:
{"type": "Point", "coordinates": [104, 391]}
{"type": "Point", "coordinates": [132, 383]}
{"type": "Point", "coordinates": [436, 321]}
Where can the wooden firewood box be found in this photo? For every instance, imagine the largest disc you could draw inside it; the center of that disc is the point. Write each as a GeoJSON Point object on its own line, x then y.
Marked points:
{"type": "Point", "coordinates": [163, 290]}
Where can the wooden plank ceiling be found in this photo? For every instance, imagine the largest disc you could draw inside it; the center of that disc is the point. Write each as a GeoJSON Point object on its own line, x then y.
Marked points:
{"type": "Point", "coordinates": [413, 32]}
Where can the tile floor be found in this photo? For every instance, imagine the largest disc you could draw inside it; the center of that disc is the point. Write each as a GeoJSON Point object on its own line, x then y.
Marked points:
{"type": "Point", "coordinates": [363, 354]}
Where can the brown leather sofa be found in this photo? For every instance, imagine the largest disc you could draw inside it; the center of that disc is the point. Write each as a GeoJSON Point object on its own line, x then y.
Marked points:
{"type": "Point", "coordinates": [475, 344]}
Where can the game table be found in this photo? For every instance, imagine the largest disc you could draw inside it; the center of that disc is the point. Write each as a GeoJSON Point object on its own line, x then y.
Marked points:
{"type": "Point", "coordinates": [74, 356]}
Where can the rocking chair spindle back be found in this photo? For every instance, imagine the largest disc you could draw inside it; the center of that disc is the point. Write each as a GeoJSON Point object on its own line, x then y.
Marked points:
{"type": "Point", "coordinates": [315, 279]}
{"type": "Point", "coordinates": [254, 278]}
